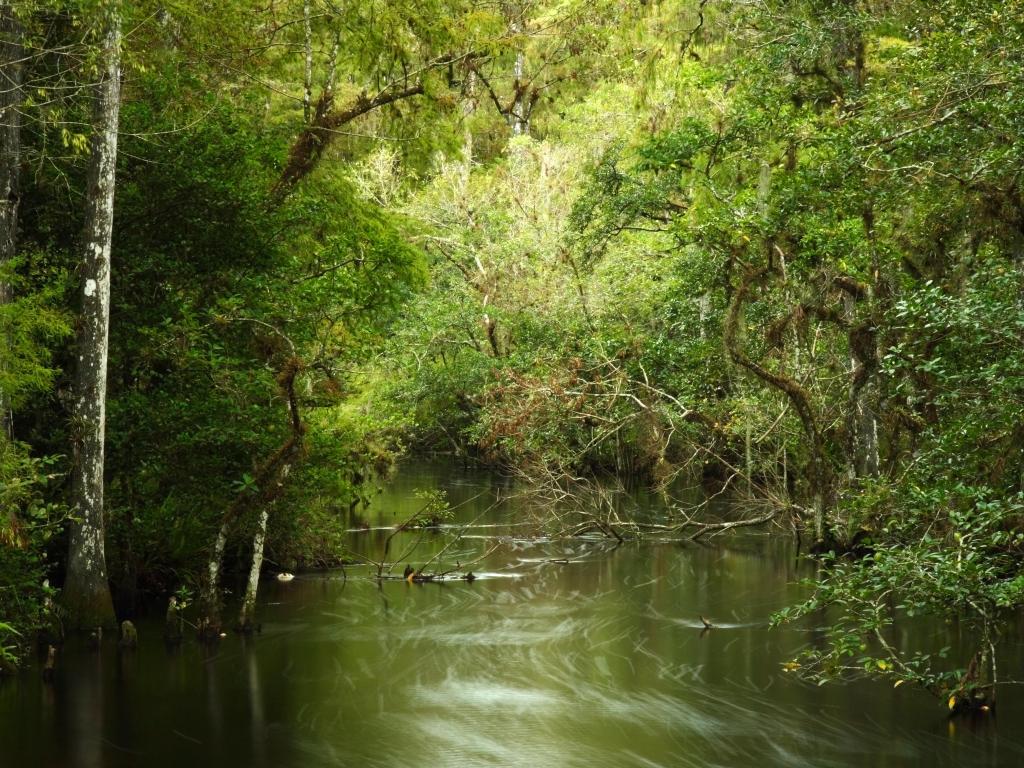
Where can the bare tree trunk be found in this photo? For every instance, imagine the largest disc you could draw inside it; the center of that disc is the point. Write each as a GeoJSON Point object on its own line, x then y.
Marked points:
{"type": "Point", "coordinates": [861, 422]}
{"type": "Point", "coordinates": [307, 78]}
{"type": "Point", "coordinates": [11, 74]}
{"type": "Point", "coordinates": [245, 619]}
{"type": "Point", "coordinates": [852, 457]}
{"type": "Point", "coordinates": [209, 599]}
{"type": "Point", "coordinates": [332, 65]}
{"type": "Point", "coordinates": [869, 416]}
{"type": "Point", "coordinates": [519, 117]}
{"type": "Point", "coordinates": [704, 308]}
{"type": "Point", "coordinates": [86, 591]}
{"type": "Point", "coordinates": [869, 432]}
{"type": "Point", "coordinates": [749, 454]}
{"type": "Point", "coordinates": [468, 108]}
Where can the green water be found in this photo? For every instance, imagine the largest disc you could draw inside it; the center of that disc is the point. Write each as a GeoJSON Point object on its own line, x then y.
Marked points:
{"type": "Point", "coordinates": [562, 653]}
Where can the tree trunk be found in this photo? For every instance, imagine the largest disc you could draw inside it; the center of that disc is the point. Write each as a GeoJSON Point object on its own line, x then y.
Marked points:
{"type": "Point", "coordinates": [307, 71]}
{"type": "Point", "coordinates": [861, 422]}
{"type": "Point", "coordinates": [11, 73]}
{"type": "Point", "coordinates": [245, 619]}
{"type": "Point", "coordinates": [519, 112]}
{"type": "Point", "coordinates": [519, 118]}
{"type": "Point", "coordinates": [86, 591]}
{"type": "Point", "coordinates": [468, 108]}
{"type": "Point", "coordinates": [854, 404]}
{"type": "Point", "coordinates": [332, 67]}
{"type": "Point", "coordinates": [209, 599]}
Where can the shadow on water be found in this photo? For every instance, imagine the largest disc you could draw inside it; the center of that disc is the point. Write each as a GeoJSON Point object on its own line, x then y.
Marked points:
{"type": "Point", "coordinates": [560, 654]}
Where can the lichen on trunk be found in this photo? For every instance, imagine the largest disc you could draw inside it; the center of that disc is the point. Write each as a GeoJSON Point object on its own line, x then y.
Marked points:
{"type": "Point", "coordinates": [86, 591]}
{"type": "Point", "coordinates": [209, 598]}
{"type": "Point", "coordinates": [246, 620]}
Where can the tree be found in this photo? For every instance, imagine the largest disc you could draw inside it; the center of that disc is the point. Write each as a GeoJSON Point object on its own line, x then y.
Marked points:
{"type": "Point", "coordinates": [86, 591]}
{"type": "Point", "coordinates": [11, 75]}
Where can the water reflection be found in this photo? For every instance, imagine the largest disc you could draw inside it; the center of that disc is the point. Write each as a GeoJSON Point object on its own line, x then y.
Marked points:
{"type": "Point", "coordinates": [561, 654]}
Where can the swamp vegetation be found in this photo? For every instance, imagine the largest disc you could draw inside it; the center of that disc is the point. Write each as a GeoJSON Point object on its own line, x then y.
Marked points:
{"type": "Point", "coordinates": [673, 275]}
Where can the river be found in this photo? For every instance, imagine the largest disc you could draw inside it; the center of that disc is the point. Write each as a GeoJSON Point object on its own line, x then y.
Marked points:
{"type": "Point", "coordinates": [561, 653]}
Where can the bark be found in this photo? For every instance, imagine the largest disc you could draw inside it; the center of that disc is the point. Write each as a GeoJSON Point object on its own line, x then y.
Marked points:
{"type": "Point", "coordinates": [86, 591]}
{"type": "Point", "coordinates": [209, 599]}
{"type": "Point", "coordinates": [704, 308]}
{"type": "Point", "coordinates": [245, 620]}
{"type": "Point", "coordinates": [11, 74]}
{"type": "Point", "coordinates": [307, 74]}
{"type": "Point", "coordinates": [519, 111]}
{"type": "Point", "coordinates": [491, 329]}
{"type": "Point", "coordinates": [519, 118]}
{"type": "Point", "coordinates": [748, 454]}
{"type": "Point", "coordinates": [468, 108]}
{"type": "Point", "coordinates": [861, 421]}
{"type": "Point", "coordinates": [332, 66]}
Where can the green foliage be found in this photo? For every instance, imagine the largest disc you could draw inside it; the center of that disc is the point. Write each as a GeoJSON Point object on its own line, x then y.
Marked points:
{"type": "Point", "coordinates": [31, 325]}
{"type": "Point", "coordinates": [948, 554]}
{"type": "Point", "coordinates": [8, 653]}
{"type": "Point", "coordinates": [840, 182]}
{"type": "Point", "coordinates": [28, 524]}
{"type": "Point", "coordinates": [434, 511]}
{"type": "Point", "coordinates": [218, 284]}
{"type": "Point", "coordinates": [775, 241]}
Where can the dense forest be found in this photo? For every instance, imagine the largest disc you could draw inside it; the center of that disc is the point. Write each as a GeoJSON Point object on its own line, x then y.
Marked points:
{"type": "Point", "coordinates": [252, 254]}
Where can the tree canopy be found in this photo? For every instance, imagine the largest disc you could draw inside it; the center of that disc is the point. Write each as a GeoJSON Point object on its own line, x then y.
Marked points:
{"type": "Point", "coordinates": [771, 247]}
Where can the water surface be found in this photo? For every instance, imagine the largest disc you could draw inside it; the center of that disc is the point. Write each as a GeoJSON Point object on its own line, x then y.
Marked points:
{"type": "Point", "coordinates": [562, 653]}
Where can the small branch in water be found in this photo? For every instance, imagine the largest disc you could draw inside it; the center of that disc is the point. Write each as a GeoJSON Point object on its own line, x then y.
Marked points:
{"type": "Point", "coordinates": [468, 576]}
{"type": "Point", "coordinates": [455, 539]}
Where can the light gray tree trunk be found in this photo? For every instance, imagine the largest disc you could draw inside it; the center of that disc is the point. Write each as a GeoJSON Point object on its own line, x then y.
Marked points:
{"type": "Point", "coordinates": [518, 118]}
{"type": "Point", "coordinates": [853, 450]}
{"type": "Point", "coordinates": [209, 599]}
{"type": "Point", "coordinates": [270, 480]}
{"type": "Point", "coordinates": [11, 74]}
{"type": "Point", "coordinates": [468, 108]}
{"type": "Point", "coordinates": [307, 73]}
{"type": "Point", "coordinates": [246, 618]}
{"type": "Point", "coordinates": [86, 591]}
{"type": "Point", "coordinates": [332, 65]}
{"type": "Point", "coordinates": [862, 423]}
{"type": "Point", "coordinates": [869, 432]}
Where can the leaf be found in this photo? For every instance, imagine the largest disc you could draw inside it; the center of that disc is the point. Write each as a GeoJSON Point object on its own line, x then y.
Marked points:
{"type": "Point", "coordinates": [898, 683]}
